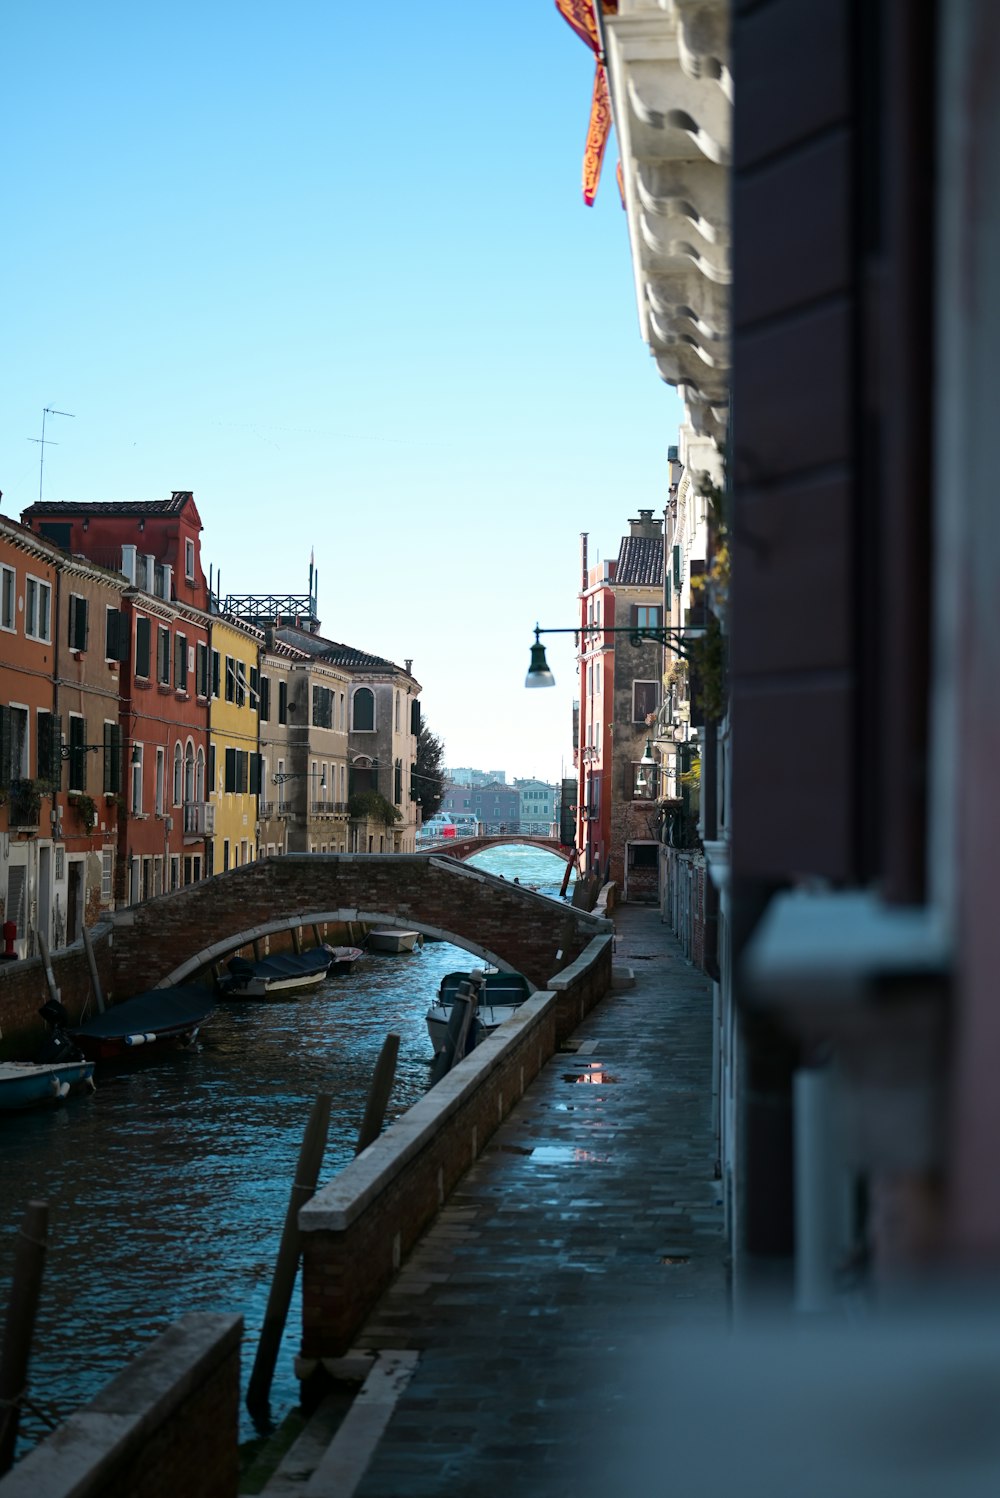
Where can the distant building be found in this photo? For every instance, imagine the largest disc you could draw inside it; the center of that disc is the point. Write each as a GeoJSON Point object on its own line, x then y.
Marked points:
{"type": "Point", "coordinates": [497, 806]}
{"type": "Point", "coordinates": [467, 776]}
{"type": "Point", "coordinates": [537, 801]}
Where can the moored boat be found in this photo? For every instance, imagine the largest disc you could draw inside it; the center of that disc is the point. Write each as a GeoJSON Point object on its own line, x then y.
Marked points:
{"type": "Point", "coordinates": [26, 1084]}
{"type": "Point", "coordinates": [345, 959]}
{"type": "Point", "coordinates": [393, 939]}
{"type": "Point", "coordinates": [500, 997]}
{"type": "Point", "coordinates": [281, 976]}
{"type": "Point", "coordinates": [159, 1018]}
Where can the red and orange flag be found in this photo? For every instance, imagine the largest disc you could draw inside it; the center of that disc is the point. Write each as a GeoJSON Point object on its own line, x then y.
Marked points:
{"type": "Point", "coordinates": [580, 15]}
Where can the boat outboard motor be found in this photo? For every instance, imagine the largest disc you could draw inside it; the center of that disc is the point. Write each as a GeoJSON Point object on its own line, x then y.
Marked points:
{"type": "Point", "coordinates": [57, 1046]}
{"type": "Point", "coordinates": [240, 970]}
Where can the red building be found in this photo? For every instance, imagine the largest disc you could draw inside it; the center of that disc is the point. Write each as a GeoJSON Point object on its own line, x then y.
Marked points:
{"type": "Point", "coordinates": [159, 640]}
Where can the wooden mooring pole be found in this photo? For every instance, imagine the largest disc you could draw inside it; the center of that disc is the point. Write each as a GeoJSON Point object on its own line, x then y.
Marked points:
{"type": "Point", "coordinates": [50, 977]}
{"type": "Point", "coordinates": [286, 1268]}
{"type": "Point", "coordinates": [29, 1260]}
{"type": "Point", "coordinates": [378, 1093]}
{"type": "Point", "coordinates": [88, 947]}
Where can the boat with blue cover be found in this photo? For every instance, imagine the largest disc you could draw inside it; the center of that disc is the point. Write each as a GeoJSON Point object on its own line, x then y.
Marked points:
{"type": "Point", "coordinates": [282, 976]}
{"type": "Point", "coordinates": [161, 1017]}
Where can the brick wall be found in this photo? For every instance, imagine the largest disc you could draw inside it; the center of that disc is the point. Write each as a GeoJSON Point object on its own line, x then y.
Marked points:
{"type": "Point", "coordinates": [166, 1426]}
{"type": "Point", "coordinates": [23, 991]}
{"type": "Point", "coordinates": [357, 1230]}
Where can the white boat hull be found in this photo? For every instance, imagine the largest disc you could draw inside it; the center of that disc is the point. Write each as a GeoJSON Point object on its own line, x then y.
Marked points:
{"type": "Point", "coordinates": [271, 988]}
{"type": "Point", "coordinates": [393, 941]}
{"type": "Point", "coordinates": [490, 1016]}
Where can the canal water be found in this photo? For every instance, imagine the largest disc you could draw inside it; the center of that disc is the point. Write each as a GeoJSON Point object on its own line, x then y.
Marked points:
{"type": "Point", "coordinates": [168, 1187]}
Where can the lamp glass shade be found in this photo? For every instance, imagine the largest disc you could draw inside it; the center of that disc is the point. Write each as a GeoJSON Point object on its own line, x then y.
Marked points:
{"type": "Point", "coordinates": [647, 754]}
{"type": "Point", "coordinates": [539, 674]}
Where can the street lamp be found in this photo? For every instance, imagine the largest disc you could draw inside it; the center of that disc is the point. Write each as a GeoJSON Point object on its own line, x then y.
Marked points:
{"type": "Point", "coordinates": [66, 751]}
{"type": "Point", "coordinates": [679, 639]}
{"type": "Point", "coordinates": [279, 779]}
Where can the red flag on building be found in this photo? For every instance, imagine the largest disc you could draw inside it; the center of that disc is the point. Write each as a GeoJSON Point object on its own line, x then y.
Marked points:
{"type": "Point", "coordinates": [580, 15]}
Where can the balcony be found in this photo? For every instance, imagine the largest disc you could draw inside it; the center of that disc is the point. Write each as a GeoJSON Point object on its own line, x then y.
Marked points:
{"type": "Point", "coordinates": [328, 808]}
{"type": "Point", "coordinates": [199, 819]}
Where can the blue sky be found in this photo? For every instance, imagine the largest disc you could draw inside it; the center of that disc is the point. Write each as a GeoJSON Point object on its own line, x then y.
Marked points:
{"type": "Point", "coordinates": [330, 267]}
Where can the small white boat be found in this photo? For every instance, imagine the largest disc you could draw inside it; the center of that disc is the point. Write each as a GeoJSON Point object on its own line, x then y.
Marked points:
{"type": "Point", "coordinates": [393, 940]}
{"type": "Point", "coordinates": [25, 1084]}
{"type": "Point", "coordinates": [500, 997]}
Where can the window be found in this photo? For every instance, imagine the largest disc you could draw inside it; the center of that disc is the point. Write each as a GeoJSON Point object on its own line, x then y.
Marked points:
{"type": "Point", "coordinates": [213, 784]}
{"type": "Point", "coordinates": [163, 656]}
{"type": "Point", "coordinates": [189, 560]}
{"type": "Point", "coordinates": [180, 663]}
{"type": "Point", "coordinates": [236, 771]}
{"type": "Point", "coordinates": [415, 716]}
{"type": "Point", "coordinates": [265, 699]}
{"type": "Point", "coordinates": [216, 674]}
{"type": "Point", "coordinates": [107, 869]}
{"type": "Point", "coordinates": [201, 670]}
{"type": "Point", "coordinates": [230, 679]}
{"type": "Point", "coordinates": [77, 753]}
{"type": "Point", "coordinates": [112, 758]}
{"type": "Point", "coordinates": [342, 719]}
{"type": "Point", "coordinates": [397, 712]}
{"type": "Point", "coordinates": [161, 775]}
{"type": "Point", "coordinates": [397, 783]}
{"type": "Point", "coordinates": [189, 772]}
{"type": "Point", "coordinates": [282, 701]}
{"type": "Point", "coordinates": [8, 598]}
{"type": "Point", "coordinates": [646, 617]}
{"type": "Point", "coordinates": [322, 707]}
{"type": "Point", "coordinates": [77, 622]}
{"type": "Point", "coordinates": [48, 762]}
{"type": "Point", "coordinates": [199, 775]}
{"type": "Point", "coordinates": [645, 699]}
{"type": "Point", "coordinates": [142, 628]}
{"type": "Point", "coordinates": [115, 636]}
{"type": "Point", "coordinates": [178, 787]}
{"type": "Point", "coordinates": [37, 609]}
{"type": "Point", "coordinates": [363, 708]}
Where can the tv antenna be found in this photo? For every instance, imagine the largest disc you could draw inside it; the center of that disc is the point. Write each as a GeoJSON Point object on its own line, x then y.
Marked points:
{"type": "Point", "coordinates": [46, 411]}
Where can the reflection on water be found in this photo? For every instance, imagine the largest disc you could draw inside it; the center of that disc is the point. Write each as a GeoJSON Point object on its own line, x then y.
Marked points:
{"type": "Point", "coordinates": [168, 1187]}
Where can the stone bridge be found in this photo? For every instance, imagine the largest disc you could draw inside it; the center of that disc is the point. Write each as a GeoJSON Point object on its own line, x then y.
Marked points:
{"type": "Point", "coordinates": [168, 939]}
{"type": "Point", "coordinates": [465, 847]}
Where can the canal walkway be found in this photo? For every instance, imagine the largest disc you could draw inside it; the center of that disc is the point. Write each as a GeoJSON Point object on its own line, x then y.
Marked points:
{"type": "Point", "coordinates": [523, 1333]}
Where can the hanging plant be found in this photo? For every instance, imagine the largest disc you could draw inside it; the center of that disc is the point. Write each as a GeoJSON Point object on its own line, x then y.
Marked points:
{"type": "Point", "coordinates": [373, 806]}
{"type": "Point", "coordinates": [86, 810]}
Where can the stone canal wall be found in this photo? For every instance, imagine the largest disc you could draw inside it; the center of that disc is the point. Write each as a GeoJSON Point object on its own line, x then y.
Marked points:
{"type": "Point", "coordinates": [23, 990]}
{"type": "Point", "coordinates": [166, 1426]}
{"type": "Point", "coordinates": [358, 1229]}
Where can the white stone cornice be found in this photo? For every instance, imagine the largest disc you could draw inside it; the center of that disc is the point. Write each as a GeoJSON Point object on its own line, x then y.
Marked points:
{"type": "Point", "coordinates": [668, 74]}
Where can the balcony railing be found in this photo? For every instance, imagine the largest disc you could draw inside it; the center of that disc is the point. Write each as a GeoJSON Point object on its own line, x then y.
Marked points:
{"type": "Point", "coordinates": [199, 818]}
{"type": "Point", "coordinates": [328, 808]}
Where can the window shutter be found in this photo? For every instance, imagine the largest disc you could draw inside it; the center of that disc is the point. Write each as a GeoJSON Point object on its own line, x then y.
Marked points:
{"type": "Point", "coordinates": [216, 673]}
{"type": "Point", "coordinates": [255, 774]}
{"type": "Point", "coordinates": [112, 758]}
{"type": "Point", "coordinates": [77, 622]}
{"type": "Point", "coordinates": [230, 770]}
{"type": "Point", "coordinates": [677, 567]}
{"type": "Point", "coordinates": [141, 646]}
{"type": "Point", "coordinates": [265, 698]}
{"type": "Point", "coordinates": [415, 716]}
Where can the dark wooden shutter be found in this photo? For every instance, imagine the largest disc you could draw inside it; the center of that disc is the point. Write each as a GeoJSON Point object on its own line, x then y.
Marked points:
{"type": "Point", "coordinates": [78, 622]}
{"type": "Point", "coordinates": [142, 631]}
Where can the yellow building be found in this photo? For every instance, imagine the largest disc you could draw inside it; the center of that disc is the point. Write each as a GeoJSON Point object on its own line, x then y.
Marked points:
{"type": "Point", "coordinates": [234, 762]}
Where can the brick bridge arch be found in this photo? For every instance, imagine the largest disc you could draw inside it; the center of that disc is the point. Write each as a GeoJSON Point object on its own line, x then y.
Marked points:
{"type": "Point", "coordinates": [465, 847]}
{"type": "Point", "coordinates": [168, 939]}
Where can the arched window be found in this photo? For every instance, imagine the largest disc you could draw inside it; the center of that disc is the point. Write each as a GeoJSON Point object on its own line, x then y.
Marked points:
{"type": "Point", "coordinates": [178, 774]}
{"type": "Point", "coordinates": [199, 776]}
{"type": "Point", "coordinates": [363, 710]}
{"type": "Point", "coordinates": [189, 771]}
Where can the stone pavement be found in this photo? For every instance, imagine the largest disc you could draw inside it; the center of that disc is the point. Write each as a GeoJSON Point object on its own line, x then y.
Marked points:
{"type": "Point", "coordinates": [586, 1238]}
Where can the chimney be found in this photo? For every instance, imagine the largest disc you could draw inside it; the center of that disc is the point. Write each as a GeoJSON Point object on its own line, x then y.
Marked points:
{"type": "Point", "coordinates": [646, 525]}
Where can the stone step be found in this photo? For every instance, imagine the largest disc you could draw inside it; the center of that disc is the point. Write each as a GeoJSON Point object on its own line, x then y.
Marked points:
{"type": "Point", "coordinates": [622, 977]}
